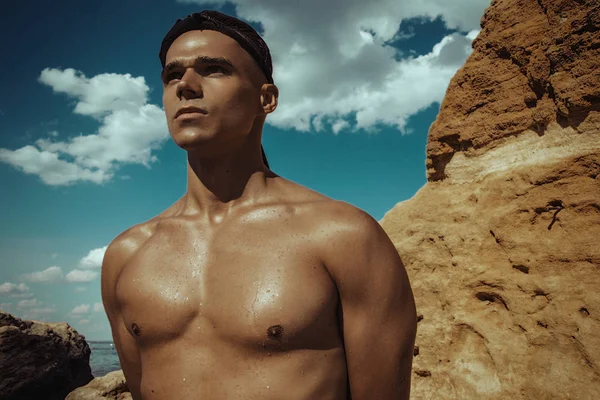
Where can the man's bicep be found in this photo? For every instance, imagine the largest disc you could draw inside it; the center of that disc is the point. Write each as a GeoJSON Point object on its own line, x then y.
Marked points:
{"type": "Point", "coordinates": [129, 355]}
{"type": "Point", "coordinates": [125, 344]}
{"type": "Point", "coordinates": [378, 311]}
{"type": "Point", "coordinates": [379, 335]}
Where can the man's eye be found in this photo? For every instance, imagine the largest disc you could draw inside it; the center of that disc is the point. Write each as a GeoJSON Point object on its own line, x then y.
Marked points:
{"type": "Point", "coordinates": [172, 75]}
{"type": "Point", "coordinates": [215, 68]}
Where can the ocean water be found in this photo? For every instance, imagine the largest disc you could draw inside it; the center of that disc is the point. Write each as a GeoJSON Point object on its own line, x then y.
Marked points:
{"type": "Point", "coordinates": [104, 358]}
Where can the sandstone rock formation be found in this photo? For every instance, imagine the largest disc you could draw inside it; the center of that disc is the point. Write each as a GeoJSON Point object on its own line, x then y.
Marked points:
{"type": "Point", "coordinates": [111, 386]}
{"type": "Point", "coordinates": [502, 245]}
{"type": "Point", "coordinates": [41, 360]}
{"type": "Point", "coordinates": [534, 63]}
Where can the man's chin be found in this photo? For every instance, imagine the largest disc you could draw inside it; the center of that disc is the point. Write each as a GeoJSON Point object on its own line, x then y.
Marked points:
{"type": "Point", "coordinates": [191, 140]}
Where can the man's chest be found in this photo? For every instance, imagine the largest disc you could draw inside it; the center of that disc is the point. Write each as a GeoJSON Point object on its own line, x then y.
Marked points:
{"type": "Point", "coordinates": [250, 288]}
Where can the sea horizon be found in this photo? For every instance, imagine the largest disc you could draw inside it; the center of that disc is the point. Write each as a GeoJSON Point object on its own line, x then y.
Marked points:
{"type": "Point", "coordinates": [103, 357]}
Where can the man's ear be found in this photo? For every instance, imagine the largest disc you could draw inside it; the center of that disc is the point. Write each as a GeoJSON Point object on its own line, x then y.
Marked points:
{"type": "Point", "coordinates": [269, 94]}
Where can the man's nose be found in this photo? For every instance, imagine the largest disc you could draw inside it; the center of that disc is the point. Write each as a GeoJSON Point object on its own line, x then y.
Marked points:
{"type": "Point", "coordinates": [189, 87]}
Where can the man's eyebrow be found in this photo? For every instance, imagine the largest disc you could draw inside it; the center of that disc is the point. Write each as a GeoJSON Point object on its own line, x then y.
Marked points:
{"type": "Point", "coordinates": [200, 60]}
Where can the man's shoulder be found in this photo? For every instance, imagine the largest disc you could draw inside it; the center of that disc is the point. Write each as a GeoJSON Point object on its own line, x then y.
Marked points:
{"type": "Point", "coordinates": [332, 216]}
{"type": "Point", "coordinates": [127, 243]}
{"type": "Point", "coordinates": [339, 228]}
{"type": "Point", "coordinates": [350, 240]}
{"type": "Point", "coordinates": [350, 229]}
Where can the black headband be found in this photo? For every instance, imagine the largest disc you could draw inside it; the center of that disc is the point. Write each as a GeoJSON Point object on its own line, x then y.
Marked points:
{"type": "Point", "coordinates": [238, 30]}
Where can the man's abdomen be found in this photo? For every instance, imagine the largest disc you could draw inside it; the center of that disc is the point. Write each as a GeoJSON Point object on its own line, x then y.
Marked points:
{"type": "Point", "coordinates": [222, 371]}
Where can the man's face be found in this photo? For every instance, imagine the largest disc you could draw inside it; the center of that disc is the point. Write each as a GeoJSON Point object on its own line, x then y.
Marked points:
{"type": "Point", "coordinates": [229, 95]}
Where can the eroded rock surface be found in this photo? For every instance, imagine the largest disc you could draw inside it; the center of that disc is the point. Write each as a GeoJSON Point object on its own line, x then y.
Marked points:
{"type": "Point", "coordinates": [502, 245]}
{"type": "Point", "coordinates": [534, 62]}
{"type": "Point", "coordinates": [41, 360]}
{"type": "Point", "coordinates": [111, 386]}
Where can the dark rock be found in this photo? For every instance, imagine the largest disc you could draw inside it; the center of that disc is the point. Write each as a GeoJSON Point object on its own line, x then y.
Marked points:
{"type": "Point", "coordinates": [41, 360]}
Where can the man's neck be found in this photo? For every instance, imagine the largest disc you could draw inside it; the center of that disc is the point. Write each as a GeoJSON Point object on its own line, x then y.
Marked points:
{"type": "Point", "coordinates": [215, 186]}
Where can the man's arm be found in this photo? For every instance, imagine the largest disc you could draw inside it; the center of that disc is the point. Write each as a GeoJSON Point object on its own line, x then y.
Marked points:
{"type": "Point", "coordinates": [377, 306]}
{"type": "Point", "coordinates": [117, 254]}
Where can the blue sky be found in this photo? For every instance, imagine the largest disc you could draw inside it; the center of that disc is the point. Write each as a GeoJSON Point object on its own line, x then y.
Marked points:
{"type": "Point", "coordinates": [84, 151]}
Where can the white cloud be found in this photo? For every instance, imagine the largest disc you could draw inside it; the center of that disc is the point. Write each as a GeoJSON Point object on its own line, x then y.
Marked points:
{"type": "Point", "coordinates": [80, 289]}
{"type": "Point", "coordinates": [78, 275]}
{"type": "Point", "coordinates": [473, 34]}
{"type": "Point", "coordinates": [333, 66]}
{"type": "Point", "coordinates": [39, 313]}
{"type": "Point", "coordinates": [81, 309]}
{"type": "Point", "coordinates": [130, 129]}
{"type": "Point", "coordinates": [27, 303]}
{"type": "Point", "coordinates": [100, 95]}
{"type": "Point", "coordinates": [11, 288]}
{"type": "Point", "coordinates": [20, 295]}
{"type": "Point", "coordinates": [84, 321]}
{"type": "Point", "coordinates": [51, 169]}
{"type": "Point", "coordinates": [94, 258]}
{"type": "Point", "coordinates": [98, 307]}
{"type": "Point", "coordinates": [48, 275]}
{"type": "Point", "coordinates": [26, 309]}
{"type": "Point", "coordinates": [44, 310]}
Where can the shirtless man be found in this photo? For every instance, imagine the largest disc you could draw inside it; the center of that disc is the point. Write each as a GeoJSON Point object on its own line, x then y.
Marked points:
{"type": "Point", "coordinates": [251, 286]}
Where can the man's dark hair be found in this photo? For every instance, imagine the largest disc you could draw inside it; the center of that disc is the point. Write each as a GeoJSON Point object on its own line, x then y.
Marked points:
{"type": "Point", "coordinates": [238, 30]}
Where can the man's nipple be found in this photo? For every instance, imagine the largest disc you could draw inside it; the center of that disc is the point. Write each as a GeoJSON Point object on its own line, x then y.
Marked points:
{"type": "Point", "coordinates": [275, 331]}
{"type": "Point", "coordinates": [137, 331]}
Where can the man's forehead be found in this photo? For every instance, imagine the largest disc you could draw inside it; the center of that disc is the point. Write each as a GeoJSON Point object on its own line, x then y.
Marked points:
{"type": "Point", "coordinates": [209, 43]}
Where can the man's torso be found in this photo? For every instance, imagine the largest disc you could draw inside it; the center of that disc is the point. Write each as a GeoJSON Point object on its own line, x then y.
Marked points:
{"type": "Point", "coordinates": [241, 309]}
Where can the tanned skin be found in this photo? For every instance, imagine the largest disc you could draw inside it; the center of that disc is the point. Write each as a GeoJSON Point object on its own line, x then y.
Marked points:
{"type": "Point", "coordinates": [251, 286]}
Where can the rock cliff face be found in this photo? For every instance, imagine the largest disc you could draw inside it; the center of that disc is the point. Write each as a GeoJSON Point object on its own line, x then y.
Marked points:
{"type": "Point", "coordinates": [534, 63]}
{"type": "Point", "coordinates": [502, 245]}
{"type": "Point", "coordinates": [41, 360]}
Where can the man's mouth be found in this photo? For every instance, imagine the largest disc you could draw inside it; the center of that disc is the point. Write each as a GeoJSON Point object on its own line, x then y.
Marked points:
{"type": "Point", "coordinates": [190, 112]}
